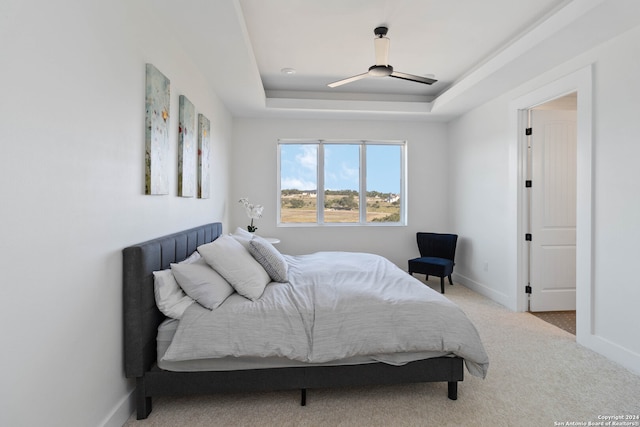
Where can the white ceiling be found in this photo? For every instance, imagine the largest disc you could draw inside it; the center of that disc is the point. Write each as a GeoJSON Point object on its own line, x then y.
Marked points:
{"type": "Point", "coordinates": [475, 48]}
{"type": "Point", "coordinates": [329, 40]}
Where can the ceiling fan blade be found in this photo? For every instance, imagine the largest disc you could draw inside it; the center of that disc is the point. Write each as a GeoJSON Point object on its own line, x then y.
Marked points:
{"type": "Point", "coordinates": [348, 80]}
{"type": "Point", "coordinates": [413, 78]}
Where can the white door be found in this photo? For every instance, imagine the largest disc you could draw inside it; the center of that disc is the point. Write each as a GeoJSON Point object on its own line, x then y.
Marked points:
{"type": "Point", "coordinates": [553, 210]}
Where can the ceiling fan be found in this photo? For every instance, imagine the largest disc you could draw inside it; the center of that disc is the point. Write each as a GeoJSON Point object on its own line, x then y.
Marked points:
{"type": "Point", "coordinates": [382, 67]}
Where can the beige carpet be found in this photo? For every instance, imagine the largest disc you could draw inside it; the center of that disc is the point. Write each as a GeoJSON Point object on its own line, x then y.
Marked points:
{"type": "Point", "coordinates": [538, 376]}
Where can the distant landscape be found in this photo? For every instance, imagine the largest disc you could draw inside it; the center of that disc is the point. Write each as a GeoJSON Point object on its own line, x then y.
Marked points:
{"type": "Point", "coordinates": [339, 206]}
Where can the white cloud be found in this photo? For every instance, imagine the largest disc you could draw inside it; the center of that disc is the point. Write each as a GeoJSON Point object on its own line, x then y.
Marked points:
{"type": "Point", "coordinates": [349, 173]}
{"type": "Point", "coordinates": [299, 167]}
{"type": "Point", "coordinates": [297, 184]}
{"type": "Point", "coordinates": [308, 159]}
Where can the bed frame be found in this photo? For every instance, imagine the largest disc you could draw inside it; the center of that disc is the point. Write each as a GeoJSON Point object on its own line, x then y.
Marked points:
{"type": "Point", "coordinates": [142, 317]}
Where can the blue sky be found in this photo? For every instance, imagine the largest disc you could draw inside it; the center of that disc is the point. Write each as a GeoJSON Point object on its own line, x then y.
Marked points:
{"type": "Point", "coordinates": [299, 162]}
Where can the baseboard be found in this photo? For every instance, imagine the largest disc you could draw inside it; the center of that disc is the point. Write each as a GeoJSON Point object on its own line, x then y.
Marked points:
{"type": "Point", "coordinates": [122, 411]}
{"type": "Point", "coordinates": [478, 287]}
{"type": "Point", "coordinates": [612, 351]}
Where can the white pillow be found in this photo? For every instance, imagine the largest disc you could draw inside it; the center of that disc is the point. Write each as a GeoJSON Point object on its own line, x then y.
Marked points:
{"type": "Point", "coordinates": [170, 298]}
{"type": "Point", "coordinates": [269, 258]}
{"type": "Point", "coordinates": [195, 256]}
{"type": "Point", "coordinates": [242, 236]}
{"type": "Point", "coordinates": [202, 283]}
{"type": "Point", "coordinates": [236, 265]}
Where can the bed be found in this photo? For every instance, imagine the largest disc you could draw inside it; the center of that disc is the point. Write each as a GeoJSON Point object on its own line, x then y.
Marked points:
{"type": "Point", "coordinates": [149, 336]}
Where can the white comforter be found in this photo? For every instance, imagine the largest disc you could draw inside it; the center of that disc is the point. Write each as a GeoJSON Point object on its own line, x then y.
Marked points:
{"type": "Point", "coordinates": [335, 306]}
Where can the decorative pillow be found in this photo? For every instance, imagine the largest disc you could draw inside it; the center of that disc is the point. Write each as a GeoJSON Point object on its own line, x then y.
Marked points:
{"type": "Point", "coordinates": [269, 258]}
{"type": "Point", "coordinates": [236, 265]}
{"type": "Point", "coordinates": [202, 283]}
{"type": "Point", "coordinates": [242, 236]}
{"type": "Point", "coordinates": [170, 298]}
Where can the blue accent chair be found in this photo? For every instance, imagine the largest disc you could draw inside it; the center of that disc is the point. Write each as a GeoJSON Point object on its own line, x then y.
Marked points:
{"type": "Point", "coordinates": [437, 256]}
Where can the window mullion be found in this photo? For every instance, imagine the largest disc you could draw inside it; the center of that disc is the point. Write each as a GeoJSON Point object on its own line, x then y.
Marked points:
{"type": "Point", "coordinates": [363, 183]}
{"type": "Point", "coordinates": [403, 184]}
{"type": "Point", "coordinates": [279, 183]}
{"type": "Point", "coordinates": [320, 189]}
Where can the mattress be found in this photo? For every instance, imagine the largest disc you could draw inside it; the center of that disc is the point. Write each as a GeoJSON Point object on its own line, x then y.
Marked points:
{"type": "Point", "coordinates": [167, 330]}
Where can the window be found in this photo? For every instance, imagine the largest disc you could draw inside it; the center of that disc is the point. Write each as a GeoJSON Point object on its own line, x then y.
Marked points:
{"type": "Point", "coordinates": [341, 182]}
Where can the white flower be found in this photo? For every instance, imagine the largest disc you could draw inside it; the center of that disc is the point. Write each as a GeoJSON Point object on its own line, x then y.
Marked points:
{"type": "Point", "coordinates": [253, 212]}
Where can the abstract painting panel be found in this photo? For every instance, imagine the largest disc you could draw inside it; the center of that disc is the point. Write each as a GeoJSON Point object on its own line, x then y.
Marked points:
{"type": "Point", "coordinates": [156, 132]}
{"type": "Point", "coordinates": [186, 148]}
{"type": "Point", "coordinates": [204, 127]}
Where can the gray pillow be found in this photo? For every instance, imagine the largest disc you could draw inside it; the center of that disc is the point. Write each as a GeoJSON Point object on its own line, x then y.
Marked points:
{"type": "Point", "coordinates": [229, 258]}
{"type": "Point", "coordinates": [243, 237]}
{"type": "Point", "coordinates": [269, 258]}
{"type": "Point", "coordinates": [202, 283]}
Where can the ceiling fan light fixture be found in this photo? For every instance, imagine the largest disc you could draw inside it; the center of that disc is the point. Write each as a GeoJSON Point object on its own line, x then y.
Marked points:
{"type": "Point", "coordinates": [381, 46]}
{"type": "Point", "coordinates": [382, 67]}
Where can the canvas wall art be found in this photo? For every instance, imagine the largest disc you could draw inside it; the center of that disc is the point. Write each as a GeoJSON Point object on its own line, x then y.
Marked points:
{"type": "Point", "coordinates": [204, 127]}
{"type": "Point", "coordinates": [186, 148]}
{"type": "Point", "coordinates": [156, 132]}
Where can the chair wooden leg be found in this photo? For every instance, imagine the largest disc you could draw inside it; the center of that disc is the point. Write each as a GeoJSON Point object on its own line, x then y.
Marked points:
{"type": "Point", "coordinates": [442, 285]}
{"type": "Point", "coordinates": [450, 281]}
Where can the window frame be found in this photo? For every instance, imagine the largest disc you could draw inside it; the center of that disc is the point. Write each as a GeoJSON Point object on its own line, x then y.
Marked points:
{"type": "Point", "coordinates": [320, 183]}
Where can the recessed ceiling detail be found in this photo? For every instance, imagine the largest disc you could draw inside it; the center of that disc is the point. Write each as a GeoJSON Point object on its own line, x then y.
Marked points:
{"type": "Point", "coordinates": [478, 50]}
{"type": "Point", "coordinates": [326, 41]}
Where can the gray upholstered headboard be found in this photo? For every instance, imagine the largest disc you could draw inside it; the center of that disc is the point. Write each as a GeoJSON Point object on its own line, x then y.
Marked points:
{"type": "Point", "coordinates": [141, 316]}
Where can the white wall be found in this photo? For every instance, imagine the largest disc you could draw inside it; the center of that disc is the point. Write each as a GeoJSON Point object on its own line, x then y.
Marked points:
{"type": "Point", "coordinates": [71, 167]}
{"type": "Point", "coordinates": [479, 189]}
{"type": "Point", "coordinates": [481, 141]}
{"type": "Point", "coordinates": [254, 174]}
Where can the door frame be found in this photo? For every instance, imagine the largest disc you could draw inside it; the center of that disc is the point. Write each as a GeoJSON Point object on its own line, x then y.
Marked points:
{"type": "Point", "coordinates": [579, 81]}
